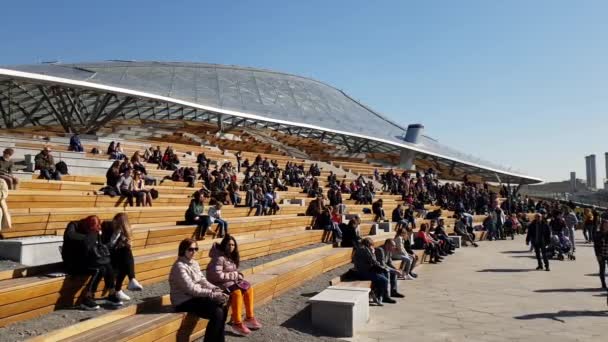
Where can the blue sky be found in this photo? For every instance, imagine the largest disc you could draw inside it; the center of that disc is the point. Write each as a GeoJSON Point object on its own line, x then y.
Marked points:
{"type": "Point", "coordinates": [522, 83]}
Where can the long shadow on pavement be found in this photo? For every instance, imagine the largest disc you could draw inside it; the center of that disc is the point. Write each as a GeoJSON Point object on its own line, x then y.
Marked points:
{"type": "Point", "coordinates": [587, 289]}
{"type": "Point", "coordinates": [515, 252]}
{"type": "Point", "coordinates": [524, 256]}
{"type": "Point", "coordinates": [506, 270]}
{"type": "Point", "coordinates": [565, 313]}
{"type": "Point", "coordinates": [301, 322]}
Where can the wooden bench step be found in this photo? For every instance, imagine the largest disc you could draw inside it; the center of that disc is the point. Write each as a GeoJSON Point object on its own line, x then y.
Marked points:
{"type": "Point", "coordinates": [270, 280]}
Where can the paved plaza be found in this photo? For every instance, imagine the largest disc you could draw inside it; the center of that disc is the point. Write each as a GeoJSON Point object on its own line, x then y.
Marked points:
{"type": "Point", "coordinates": [494, 293]}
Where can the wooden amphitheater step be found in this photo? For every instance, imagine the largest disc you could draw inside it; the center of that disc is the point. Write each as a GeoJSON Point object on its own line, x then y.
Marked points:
{"type": "Point", "coordinates": [154, 320]}
{"type": "Point", "coordinates": [24, 294]}
{"type": "Point", "coordinates": [52, 220]}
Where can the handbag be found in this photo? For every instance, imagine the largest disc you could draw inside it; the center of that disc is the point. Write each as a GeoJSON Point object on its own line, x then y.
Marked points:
{"type": "Point", "coordinates": [101, 253]}
{"type": "Point", "coordinates": [242, 285]}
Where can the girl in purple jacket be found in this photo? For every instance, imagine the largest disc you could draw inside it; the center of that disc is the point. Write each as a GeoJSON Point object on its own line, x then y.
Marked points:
{"type": "Point", "coordinates": [223, 271]}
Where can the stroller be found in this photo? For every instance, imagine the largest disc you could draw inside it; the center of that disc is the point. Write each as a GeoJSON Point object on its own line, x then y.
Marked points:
{"type": "Point", "coordinates": [560, 245]}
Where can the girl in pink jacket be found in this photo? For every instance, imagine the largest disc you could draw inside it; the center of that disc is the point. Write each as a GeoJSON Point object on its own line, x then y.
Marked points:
{"type": "Point", "coordinates": [223, 272]}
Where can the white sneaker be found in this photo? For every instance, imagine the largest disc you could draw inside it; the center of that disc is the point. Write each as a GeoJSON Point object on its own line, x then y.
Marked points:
{"type": "Point", "coordinates": [122, 296]}
{"type": "Point", "coordinates": [409, 277]}
{"type": "Point", "coordinates": [134, 285]}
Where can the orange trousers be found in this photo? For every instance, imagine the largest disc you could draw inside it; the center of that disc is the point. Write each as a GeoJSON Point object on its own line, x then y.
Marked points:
{"type": "Point", "coordinates": [236, 303]}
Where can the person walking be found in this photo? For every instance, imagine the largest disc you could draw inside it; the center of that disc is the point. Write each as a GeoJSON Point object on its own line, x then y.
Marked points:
{"type": "Point", "coordinates": [588, 225]}
{"type": "Point", "coordinates": [601, 251]}
{"type": "Point", "coordinates": [571, 223]}
{"type": "Point", "coordinates": [539, 235]}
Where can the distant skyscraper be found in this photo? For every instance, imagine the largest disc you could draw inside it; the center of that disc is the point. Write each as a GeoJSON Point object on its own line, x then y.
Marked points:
{"type": "Point", "coordinates": [606, 180]}
{"type": "Point", "coordinates": [572, 182]}
{"type": "Point", "coordinates": [587, 172]}
{"type": "Point", "coordinates": [591, 171]}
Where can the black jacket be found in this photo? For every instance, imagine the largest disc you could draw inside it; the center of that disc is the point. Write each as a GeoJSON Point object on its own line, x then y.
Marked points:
{"type": "Point", "coordinates": [365, 260]}
{"type": "Point", "coordinates": [350, 236]}
{"type": "Point", "coordinates": [79, 250]}
{"type": "Point", "coordinates": [543, 230]}
{"type": "Point", "coordinates": [397, 215]}
{"type": "Point", "coordinates": [598, 242]}
{"type": "Point", "coordinates": [382, 259]}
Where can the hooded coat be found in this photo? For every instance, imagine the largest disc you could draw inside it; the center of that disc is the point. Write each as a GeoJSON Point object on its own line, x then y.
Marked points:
{"type": "Point", "coordinates": [221, 270]}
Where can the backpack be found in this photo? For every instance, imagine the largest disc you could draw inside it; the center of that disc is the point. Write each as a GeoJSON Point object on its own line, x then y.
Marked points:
{"type": "Point", "coordinates": [62, 167]}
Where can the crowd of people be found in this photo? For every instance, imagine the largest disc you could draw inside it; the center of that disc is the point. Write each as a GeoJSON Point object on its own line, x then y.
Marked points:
{"type": "Point", "coordinates": [103, 249]}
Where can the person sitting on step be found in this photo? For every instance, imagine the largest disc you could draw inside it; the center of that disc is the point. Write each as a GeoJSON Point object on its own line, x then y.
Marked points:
{"type": "Point", "coordinates": [425, 241]}
{"type": "Point", "coordinates": [75, 144]}
{"type": "Point", "coordinates": [460, 228]}
{"type": "Point", "coordinates": [223, 271]}
{"type": "Point", "coordinates": [194, 215]}
{"type": "Point", "coordinates": [6, 169]}
{"type": "Point", "coordinates": [83, 253]}
{"type": "Point", "coordinates": [46, 164]}
{"type": "Point", "coordinates": [351, 234]}
{"type": "Point", "coordinates": [125, 188]}
{"type": "Point", "coordinates": [5, 215]}
{"type": "Point", "coordinates": [403, 251]}
{"type": "Point", "coordinates": [378, 211]}
{"type": "Point", "coordinates": [367, 267]}
{"type": "Point", "coordinates": [215, 216]}
{"type": "Point", "coordinates": [384, 256]}
{"type": "Point", "coordinates": [116, 235]}
{"type": "Point", "coordinates": [191, 292]}
{"type": "Point", "coordinates": [142, 195]}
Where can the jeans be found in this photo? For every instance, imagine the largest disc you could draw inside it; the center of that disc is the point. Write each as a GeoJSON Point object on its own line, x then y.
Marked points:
{"type": "Point", "coordinates": [234, 198]}
{"type": "Point", "coordinates": [408, 262]}
{"type": "Point", "coordinates": [570, 232]}
{"type": "Point", "coordinates": [335, 229]}
{"type": "Point", "coordinates": [222, 226]}
{"type": "Point", "coordinates": [128, 195]}
{"type": "Point", "coordinates": [50, 174]}
{"type": "Point", "coordinates": [392, 277]}
{"type": "Point", "coordinates": [379, 282]}
{"type": "Point", "coordinates": [541, 250]}
{"type": "Point", "coordinates": [588, 232]}
{"type": "Point", "coordinates": [500, 232]}
{"type": "Point", "coordinates": [203, 224]}
{"type": "Point", "coordinates": [259, 209]}
{"type": "Point", "coordinates": [469, 219]}
{"type": "Point", "coordinates": [492, 234]}
{"type": "Point", "coordinates": [76, 148]}
{"type": "Point", "coordinates": [208, 309]}
{"type": "Point", "coordinates": [102, 271]}
{"type": "Point", "coordinates": [122, 262]}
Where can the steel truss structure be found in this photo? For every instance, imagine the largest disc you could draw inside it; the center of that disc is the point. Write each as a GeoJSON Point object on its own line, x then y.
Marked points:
{"type": "Point", "coordinates": [85, 109]}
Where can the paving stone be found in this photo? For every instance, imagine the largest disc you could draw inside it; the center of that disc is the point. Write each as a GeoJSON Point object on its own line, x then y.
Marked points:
{"type": "Point", "coordinates": [486, 294]}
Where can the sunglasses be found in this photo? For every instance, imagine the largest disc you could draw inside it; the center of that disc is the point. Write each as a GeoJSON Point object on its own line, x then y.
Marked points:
{"type": "Point", "coordinates": [193, 249]}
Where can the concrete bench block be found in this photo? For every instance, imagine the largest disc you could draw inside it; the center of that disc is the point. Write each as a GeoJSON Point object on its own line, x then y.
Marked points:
{"type": "Point", "coordinates": [32, 251]}
{"type": "Point", "coordinates": [340, 311]}
{"type": "Point", "coordinates": [384, 226]}
{"type": "Point", "coordinates": [348, 217]}
{"type": "Point", "coordinates": [297, 201]}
